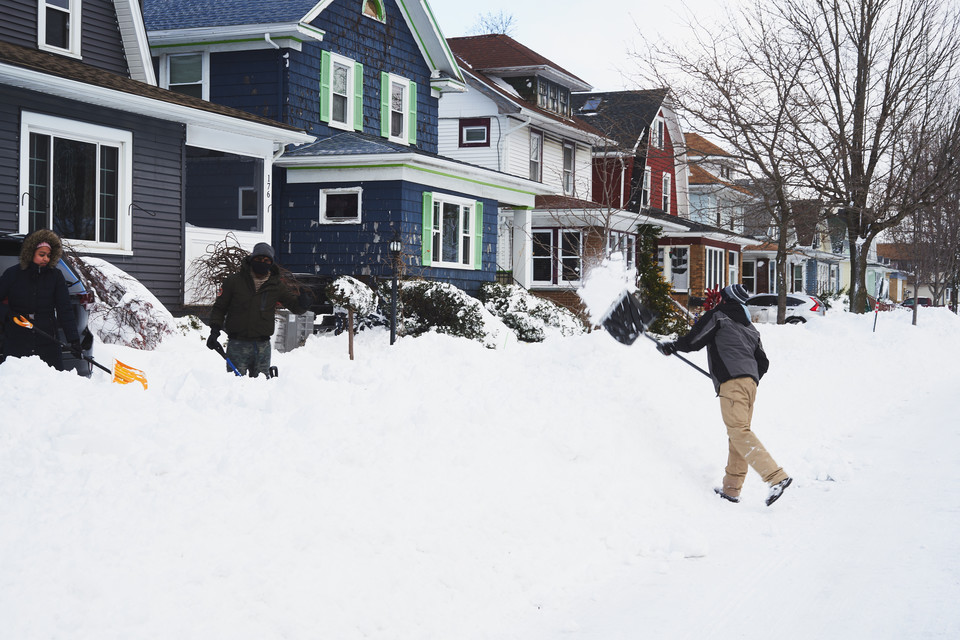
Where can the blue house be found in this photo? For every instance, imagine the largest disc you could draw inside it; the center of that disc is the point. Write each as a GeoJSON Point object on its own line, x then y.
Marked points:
{"type": "Point", "coordinates": [364, 77]}
{"type": "Point", "coordinates": [92, 148]}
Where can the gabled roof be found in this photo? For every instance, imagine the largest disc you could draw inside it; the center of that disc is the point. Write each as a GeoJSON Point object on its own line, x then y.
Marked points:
{"type": "Point", "coordinates": [172, 22]}
{"type": "Point", "coordinates": [697, 145]}
{"type": "Point", "coordinates": [59, 75]}
{"type": "Point", "coordinates": [499, 54]}
{"type": "Point", "coordinates": [624, 116]}
{"type": "Point", "coordinates": [701, 177]}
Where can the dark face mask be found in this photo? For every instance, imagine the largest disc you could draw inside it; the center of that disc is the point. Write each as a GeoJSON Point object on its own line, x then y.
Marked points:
{"type": "Point", "coordinates": [260, 268]}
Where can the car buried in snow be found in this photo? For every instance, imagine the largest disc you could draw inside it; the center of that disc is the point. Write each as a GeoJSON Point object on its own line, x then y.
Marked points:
{"type": "Point", "coordinates": [800, 308]}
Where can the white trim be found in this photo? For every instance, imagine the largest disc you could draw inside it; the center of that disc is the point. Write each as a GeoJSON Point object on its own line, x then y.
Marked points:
{"type": "Point", "coordinates": [351, 66]}
{"type": "Point", "coordinates": [135, 43]}
{"type": "Point", "coordinates": [75, 27]}
{"type": "Point", "coordinates": [93, 134]}
{"type": "Point", "coordinates": [438, 200]}
{"type": "Point", "coordinates": [323, 206]}
{"type": "Point", "coordinates": [240, 215]}
{"type": "Point", "coordinates": [404, 84]}
{"type": "Point", "coordinates": [204, 70]}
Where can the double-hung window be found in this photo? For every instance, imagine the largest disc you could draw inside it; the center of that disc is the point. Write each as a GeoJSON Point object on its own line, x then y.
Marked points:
{"type": "Point", "coordinates": [536, 155]}
{"type": "Point", "coordinates": [187, 73]}
{"type": "Point", "coordinates": [714, 268]}
{"type": "Point", "coordinates": [750, 275]}
{"type": "Point", "coordinates": [398, 109]}
{"type": "Point", "coordinates": [657, 133]}
{"type": "Point", "coordinates": [679, 266]}
{"type": "Point", "coordinates": [569, 158]}
{"type": "Point", "coordinates": [645, 190]}
{"type": "Point", "coordinates": [58, 26]}
{"type": "Point", "coordinates": [452, 232]}
{"type": "Point", "coordinates": [624, 244]}
{"type": "Point", "coordinates": [341, 92]}
{"type": "Point", "coordinates": [666, 193]}
{"type": "Point", "coordinates": [733, 269]}
{"type": "Point", "coordinates": [557, 256]}
{"type": "Point", "coordinates": [77, 181]}
{"type": "Point", "coordinates": [797, 278]}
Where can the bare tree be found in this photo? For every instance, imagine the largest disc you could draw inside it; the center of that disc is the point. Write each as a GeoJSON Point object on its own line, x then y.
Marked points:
{"type": "Point", "coordinates": [834, 100]}
{"type": "Point", "coordinates": [490, 22]}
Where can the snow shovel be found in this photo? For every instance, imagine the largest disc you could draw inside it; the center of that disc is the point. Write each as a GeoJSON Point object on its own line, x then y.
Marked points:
{"type": "Point", "coordinates": [121, 374]}
{"type": "Point", "coordinates": [628, 319]}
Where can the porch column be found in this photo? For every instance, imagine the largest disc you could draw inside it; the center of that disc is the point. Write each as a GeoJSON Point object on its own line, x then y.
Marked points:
{"type": "Point", "coordinates": [523, 247]}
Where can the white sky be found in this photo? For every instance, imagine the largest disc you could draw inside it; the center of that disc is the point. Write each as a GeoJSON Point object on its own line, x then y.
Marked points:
{"type": "Point", "coordinates": [588, 39]}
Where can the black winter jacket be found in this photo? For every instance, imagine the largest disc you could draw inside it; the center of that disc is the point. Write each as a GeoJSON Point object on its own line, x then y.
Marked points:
{"type": "Point", "coordinates": [247, 314]}
{"type": "Point", "coordinates": [734, 349]}
{"type": "Point", "coordinates": [40, 293]}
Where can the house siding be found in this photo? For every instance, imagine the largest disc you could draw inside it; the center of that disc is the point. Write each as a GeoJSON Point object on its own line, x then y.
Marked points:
{"type": "Point", "coordinates": [362, 250]}
{"type": "Point", "coordinates": [157, 187]}
{"type": "Point", "coordinates": [19, 22]}
{"type": "Point", "coordinates": [251, 81]}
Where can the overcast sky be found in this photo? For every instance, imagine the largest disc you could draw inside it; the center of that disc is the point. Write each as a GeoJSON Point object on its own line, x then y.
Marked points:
{"type": "Point", "coordinates": [590, 39]}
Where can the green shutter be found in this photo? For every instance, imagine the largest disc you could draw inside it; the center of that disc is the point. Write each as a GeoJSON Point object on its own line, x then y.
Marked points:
{"type": "Point", "coordinates": [358, 96]}
{"type": "Point", "coordinates": [384, 104]}
{"type": "Point", "coordinates": [412, 115]}
{"type": "Point", "coordinates": [326, 73]}
{"type": "Point", "coordinates": [426, 240]}
{"type": "Point", "coordinates": [478, 235]}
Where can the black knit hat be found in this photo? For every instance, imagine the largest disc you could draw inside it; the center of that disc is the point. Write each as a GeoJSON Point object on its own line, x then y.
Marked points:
{"type": "Point", "coordinates": [262, 249]}
{"type": "Point", "coordinates": [735, 293]}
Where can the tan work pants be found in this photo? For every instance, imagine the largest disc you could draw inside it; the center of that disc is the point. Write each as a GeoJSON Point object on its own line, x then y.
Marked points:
{"type": "Point", "coordinates": [736, 407]}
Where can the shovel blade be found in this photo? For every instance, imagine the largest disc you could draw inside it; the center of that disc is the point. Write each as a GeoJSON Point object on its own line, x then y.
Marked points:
{"type": "Point", "coordinates": [628, 319]}
{"type": "Point", "coordinates": [125, 374]}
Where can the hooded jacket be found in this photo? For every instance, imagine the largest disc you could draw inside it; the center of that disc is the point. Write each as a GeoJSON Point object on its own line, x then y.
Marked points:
{"type": "Point", "coordinates": [734, 349]}
{"type": "Point", "coordinates": [41, 294]}
{"type": "Point", "coordinates": [246, 313]}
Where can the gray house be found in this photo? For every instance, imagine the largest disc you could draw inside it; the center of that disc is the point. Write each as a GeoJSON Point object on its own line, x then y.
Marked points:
{"type": "Point", "coordinates": [92, 148]}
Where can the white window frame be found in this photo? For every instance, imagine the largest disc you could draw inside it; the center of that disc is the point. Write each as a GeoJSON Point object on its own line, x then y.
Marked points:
{"type": "Point", "coordinates": [713, 268]}
{"type": "Point", "coordinates": [569, 156]}
{"type": "Point", "coordinates": [558, 255]}
{"type": "Point", "coordinates": [657, 135]}
{"type": "Point", "coordinates": [645, 189]}
{"type": "Point", "coordinates": [55, 127]}
{"type": "Point", "coordinates": [464, 234]}
{"type": "Point", "coordinates": [666, 200]}
{"type": "Point", "coordinates": [465, 131]}
{"type": "Point", "coordinates": [74, 22]}
{"type": "Point", "coordinates": [625, 244]}
{"type": "Point", "coordinates": [795, 269]}
{"type": "Point", "coordinates": [750, 280]}
{"type": "Point", "coordinates": [536, 163]}
{"type": "Point", "coordinates": [351, 65]}
{"type": "Point", "coordinates": [733, 267]}
{"type": "Point", "coordinates": [204, 71]}
{"type": "Point", "coordinates": [670, 270]}
{"type": "Point", "coordinates": [240, 192]}
{"type": "Point", "coordinates": [324, 219]}
{"type": "Point", "coordinates": [404, 85]}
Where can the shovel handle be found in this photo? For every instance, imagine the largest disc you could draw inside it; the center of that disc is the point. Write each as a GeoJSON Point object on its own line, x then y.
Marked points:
{"type": "Point", "coordinates": [657, 342]}
{"type": "Point", "coordinates": [26, 324]}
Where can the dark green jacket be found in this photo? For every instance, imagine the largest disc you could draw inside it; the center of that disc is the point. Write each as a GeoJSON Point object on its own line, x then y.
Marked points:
{"type": "Point", "coordinates": [246, 314]}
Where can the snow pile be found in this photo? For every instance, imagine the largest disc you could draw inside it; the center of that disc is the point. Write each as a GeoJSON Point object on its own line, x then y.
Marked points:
{"type": "Point", "coordinates": [532, 319]}
{"type": "Point", "coordinates": [435, 489]}
{"type": "Point", "coordinates": [350, 293]}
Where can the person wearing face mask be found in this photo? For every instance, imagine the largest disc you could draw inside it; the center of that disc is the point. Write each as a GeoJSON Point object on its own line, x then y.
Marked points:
{"type": "Point", "coordinates": [737, 362]}
{"type": "Point", "coordinates": [245, 309]}
{"type": "Point", "coordinates": [35, 288]}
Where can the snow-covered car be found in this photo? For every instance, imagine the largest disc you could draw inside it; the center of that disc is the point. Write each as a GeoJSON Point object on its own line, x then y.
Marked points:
{"type": "Point", "coordinates": [10, 244]}
{"type": "Point", "coordinates": [800, 308]}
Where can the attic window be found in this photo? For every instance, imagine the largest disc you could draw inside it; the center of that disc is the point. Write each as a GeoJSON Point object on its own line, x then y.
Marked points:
{"type": "Point", "coordinates": [590, 106]}
{"type": "Point", "coordinates": [374, 9]}
{"type": "Point", "coordinates": [58, 26]}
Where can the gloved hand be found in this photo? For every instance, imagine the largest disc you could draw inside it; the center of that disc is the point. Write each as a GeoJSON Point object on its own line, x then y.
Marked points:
{"type": "Point", "coordinates": [667, 348]}
{"type": "Point", "coordinates": [212, 343]}
{"type": "Point", "coordinates": [306, 298]}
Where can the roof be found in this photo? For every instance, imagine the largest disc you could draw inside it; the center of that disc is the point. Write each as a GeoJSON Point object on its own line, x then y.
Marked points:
{"type": "Point", "coordinates": [701, 177]}
{"type": "Point", "coordinates": [566, 202]}
{"type": "Point", "coordinates": [625, 116]}
{"type": "Point", "coordinates": [499, 54]}
{"type": "Point", "coordinates": [697, 145]}
{"type": "Point", "coordinates": [51, 64]}
{"type": "Point", "coordinates": [352, 143]}
{"type": "Point", "coordinates": [188, 14]}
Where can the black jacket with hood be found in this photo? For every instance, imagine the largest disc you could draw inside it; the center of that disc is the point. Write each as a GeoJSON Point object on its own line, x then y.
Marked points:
{"type": "Point", "coordinates": [247, 313]}
{"type": "Point", "coordinates": [733, 344]}
{"type": "Point", "coordinates": [41, 294]}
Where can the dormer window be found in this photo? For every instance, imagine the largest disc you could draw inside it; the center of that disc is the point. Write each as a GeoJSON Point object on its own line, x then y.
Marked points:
{"type": "Point", "coordinates": [553, 97]}
{"type": "Point", "coordinates": [374, 9]}
{"type": "Point", "coordinates": [58, 26]}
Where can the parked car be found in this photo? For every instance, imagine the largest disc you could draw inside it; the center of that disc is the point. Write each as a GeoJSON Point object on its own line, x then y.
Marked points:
{"type": "Point", "coordinates": [800, 307]}
{"type": "Point", "coordinates": [923, 302]}
{"type": "Point", "coordinates": [80, 298]}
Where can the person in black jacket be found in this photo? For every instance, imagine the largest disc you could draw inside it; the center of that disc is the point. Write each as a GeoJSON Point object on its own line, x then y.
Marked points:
{"type": "Point", "coordinates": [245, 308]}
{"type": "Point", "coordinates": [737, 362]}
{"type": "Point", "coordinates": [35, 288]}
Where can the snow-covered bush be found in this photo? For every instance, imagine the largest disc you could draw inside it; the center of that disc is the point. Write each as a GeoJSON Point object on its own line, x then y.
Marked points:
{"type": "Point", "coordinates": [531, 318]}
{"type": "Point", "coordinates": [124, 311]}
{"type": "Point", "coordinates": [442, 307]}
{"type": "Point", "coordinates": [350, 293]}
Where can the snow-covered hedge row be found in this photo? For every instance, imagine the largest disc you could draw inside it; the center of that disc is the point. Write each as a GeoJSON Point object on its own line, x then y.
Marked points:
{"type": "Point", "coordinates": [530, 317]}
{"type": "Point", "coordinates": [442, 307]}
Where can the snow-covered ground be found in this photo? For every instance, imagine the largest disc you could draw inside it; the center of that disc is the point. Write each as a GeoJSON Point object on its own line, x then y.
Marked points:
{"type": "Point", "coordinates": [436, 489]}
